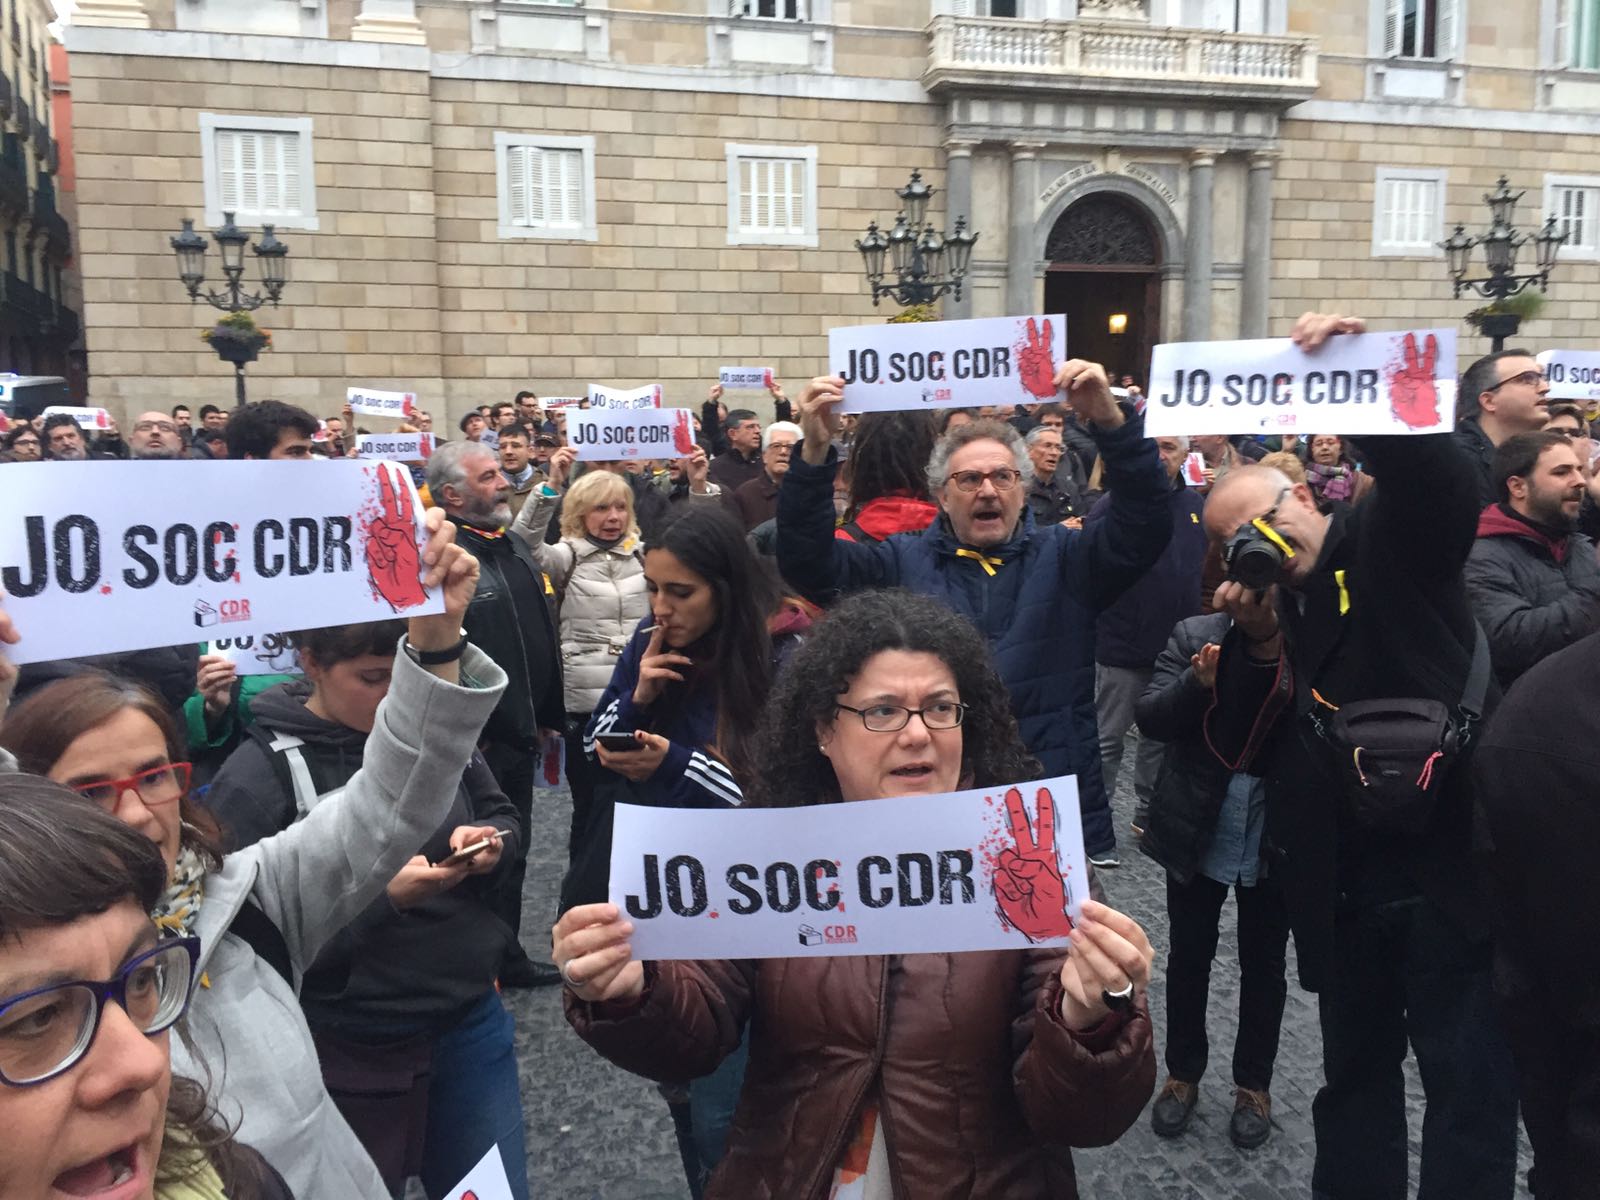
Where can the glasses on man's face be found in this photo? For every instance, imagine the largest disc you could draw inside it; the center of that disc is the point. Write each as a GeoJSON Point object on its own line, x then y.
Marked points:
{"type": "Point", "coordinates": [1525, 378]}
{"type": "Point", "coordinates": [155, 427]}
{"type": "Point", "coordinates": [891, 718]}
{"type": "Point", "coordinates": [33, 442]}
{"type": "Point", "coordinates": [1004, 479]}
{"type": "Point", "coordinates": [44, 1033]}
{"type": "Point", "coordinates": [158, 785]}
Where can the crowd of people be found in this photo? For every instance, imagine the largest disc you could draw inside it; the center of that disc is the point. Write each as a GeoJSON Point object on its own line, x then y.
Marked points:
{"type": "Point", "coordinates": [1346, 668]}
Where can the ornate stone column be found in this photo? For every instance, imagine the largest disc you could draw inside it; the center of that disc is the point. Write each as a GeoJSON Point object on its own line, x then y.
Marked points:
{"type": "Point", "coordinates": [1199, 253]}
{"type": "Point", "coordinates": [389, 21]}
{"type": "Point", "coordinates": [1019, 238]}
{"type": "Point", "coordinates": [120, 14]}
{"type": "Point", "coordinates": [958, 203]}
{"type": "Point", "coordinates": [1256, 286]}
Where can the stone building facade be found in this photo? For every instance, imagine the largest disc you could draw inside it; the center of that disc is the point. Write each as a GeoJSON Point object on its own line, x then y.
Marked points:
{"type": "Point", "coordinates": [485, 195]}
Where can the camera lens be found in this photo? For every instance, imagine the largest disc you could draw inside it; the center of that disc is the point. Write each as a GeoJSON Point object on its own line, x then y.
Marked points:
{"type": "Point", "coordinates": [1252, 559]}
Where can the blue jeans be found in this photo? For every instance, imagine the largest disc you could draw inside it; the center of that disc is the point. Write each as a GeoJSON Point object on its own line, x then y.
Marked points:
{"type": "Point", "coordinates": [712, 1100]}
{"type": "Point", "coordinates": [474, 1101]}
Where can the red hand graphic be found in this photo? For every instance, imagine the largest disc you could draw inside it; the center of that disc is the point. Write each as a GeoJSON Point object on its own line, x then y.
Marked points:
{"type": "Point", "coordinates": [408, 406]}
{"type": "Point", "coordinates": [1028, 887]}
{"type": "Point", "coordinates": [390, 544]}
{"type": "Point", "coordinates": [683, 434]}
{"type": "Point", "coordinates": [1412, 394]}
{"type": "Point", "coordinates": [1034, 361]}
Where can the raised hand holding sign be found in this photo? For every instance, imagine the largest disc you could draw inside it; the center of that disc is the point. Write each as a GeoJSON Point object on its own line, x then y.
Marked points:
{"type": "Point", "coordinates": [1028, 885]}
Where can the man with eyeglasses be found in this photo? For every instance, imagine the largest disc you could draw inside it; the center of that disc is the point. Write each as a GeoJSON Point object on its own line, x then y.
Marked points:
{"type": "Point", "coordinates": [1033, 591]}
{"type": "Point", "coordinates": [1500, 396]}
{"type": "Point", "coordinates": [155, 438]}
{"type": "Point", "coordinates": [1388, 904]}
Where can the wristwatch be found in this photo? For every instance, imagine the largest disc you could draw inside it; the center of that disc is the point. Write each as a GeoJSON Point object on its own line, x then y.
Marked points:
{"type": "Point", "coordinates": [436, 658]}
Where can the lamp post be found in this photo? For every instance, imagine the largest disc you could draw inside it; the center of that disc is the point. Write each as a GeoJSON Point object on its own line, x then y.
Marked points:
{"type": "Point", "coordinates": [1500, 246]}
{"type": "Point", "coordinates": [237, 341]}
{"type": "Point", "coordinates": [926, 264]}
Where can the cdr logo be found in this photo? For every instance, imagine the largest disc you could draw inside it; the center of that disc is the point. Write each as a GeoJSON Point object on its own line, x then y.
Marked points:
{"type": "Point", "coordinates": [228, 611]}
{"type": "Point", "coordinates": [829, 935]}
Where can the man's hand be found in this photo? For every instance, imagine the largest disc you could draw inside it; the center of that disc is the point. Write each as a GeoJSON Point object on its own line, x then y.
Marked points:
{"type": "Point", "coordinates": [1089, 392]}
{"type": "Point", "coordinates": [560, 463]}
{"type": "Point", "coordinates": [819, 417]}
{"type": "Point", "coordinates": [1255, 613]}
{"type": "Point", "coordinates": [715, 393]}
{"type": "Point", "coordinates": [214, 681]}
{"type": "Point", "coordinates": [1312, 329]}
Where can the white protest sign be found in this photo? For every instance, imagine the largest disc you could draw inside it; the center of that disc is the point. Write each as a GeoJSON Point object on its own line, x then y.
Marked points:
{"type": "Point", "coordinates": [1194, 470]}
{"type": "Point", "coordinates": [1369, 383]}
{"type": "Point", "coordinates": [948, 364]}
{"type": "Point", "coordinates": [396, 447]}
{"type": "Point", "coordinates": [987, 869]}
{"type": "Point", "coordinates": [609, 434]}
{"type": "Point", "coordinates": [268, 654]}
{"type": "Point", "coordinates": [486, 1181]}
{"type": "Point", "coordinates": [91, 418]}
{"type": "Point", "coordinates": [746, 378]}
{"type": "Point", "coordinates": [553, 402]}
{"type": "Point", "coordinates": [97, 557]}
{"type": "Point", "coordinates": [648, 396]}
{"type": "Point", "coordinates": [1573, 374]}
{"type": "Point", "coordinates": [369, 403]}
{"type": "Point", "coordinates": [552, 772]}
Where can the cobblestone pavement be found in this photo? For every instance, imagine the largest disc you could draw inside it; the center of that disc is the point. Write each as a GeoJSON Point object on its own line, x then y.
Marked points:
{"type": "Point", "coordinates": [598, 1133]}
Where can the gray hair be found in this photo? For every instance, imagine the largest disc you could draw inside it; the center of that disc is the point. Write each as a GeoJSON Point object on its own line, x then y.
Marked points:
{"type": "Point", "coordinates": [1038, 431]}
{"type": "Point", "coordinates": [1183, 442]}
{"type": "Point", "coordinates": [781, 427]}
{"type": "Point", "coordinates": [977, 431]}
{"type": "Point", "coordinates": [447, 465]}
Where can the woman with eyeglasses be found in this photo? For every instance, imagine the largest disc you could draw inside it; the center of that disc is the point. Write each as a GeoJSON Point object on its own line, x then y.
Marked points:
{"type": "Point", "coordinates": [927, 1075]}
{"type": "Point", "coordinates": [89, 992]}
{"type": "Point", "coordinates": [264, 913]}
{"type": "Point", "coordinates": [1332, 474]}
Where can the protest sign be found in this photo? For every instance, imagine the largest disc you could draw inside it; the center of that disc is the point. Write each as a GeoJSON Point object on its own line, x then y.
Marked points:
{"type": "Point", "coordinates": [552, 772]}
{"type": "Point", "coordinates": [397, 447]}
{"type": "Point", "coordinates": [948, 364]}
{"type": "Point", "coordinates": [486, 1181]}
{"type": "Point", "coordinates": [553, 402]}
{"type": "Point", "coordinates": [268, 654]}
{"type": "Point", "coordinates": [97, 557]}
{"type": "Point", "coordinates": [1573, 374]}
{"type": "Point", "coordinates": [986, 869]}
{"type": "Point", "coordinates": [745, 378]}
{"type": "Point", "coordinates": [1357, 383]}
{"type": "Point", "coordinates": [369, 403]}
{"type": "Point", "coordinates": [87, 418]}
{"type": "Point", "coordinates": [648, 396]}
{"type": "Point", "coordinates": [1194, 470]}
{"type": "Point", "coordinates": [609, 434]}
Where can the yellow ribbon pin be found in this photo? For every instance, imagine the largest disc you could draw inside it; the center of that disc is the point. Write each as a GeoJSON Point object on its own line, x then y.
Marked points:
{"type": "Point", "coordinates": [1344, 592]}
{"type": "Point", "coordinates": [988, 564]}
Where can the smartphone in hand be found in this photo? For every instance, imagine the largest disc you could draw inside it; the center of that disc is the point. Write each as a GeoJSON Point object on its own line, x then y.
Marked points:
{"type": "Point", "coordinates": [467, 853]}
{"type": "Point", "coordinates": [617, 741]}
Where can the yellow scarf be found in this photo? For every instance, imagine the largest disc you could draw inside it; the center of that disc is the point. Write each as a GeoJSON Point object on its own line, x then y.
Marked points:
{"type": "Point", "coordinates": [204, 1184]}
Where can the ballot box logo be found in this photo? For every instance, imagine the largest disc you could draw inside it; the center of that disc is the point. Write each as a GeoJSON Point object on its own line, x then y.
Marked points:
{"type": "Point", "coordinates": [222, 613]}
{"type": "Point", "coordinates": [829, 935]}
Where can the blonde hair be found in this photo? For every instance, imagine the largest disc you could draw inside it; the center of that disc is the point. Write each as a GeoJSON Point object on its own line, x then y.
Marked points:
{"type": "Point", "coordinates": [589, 492]}
{"type": "Point", "coordinates": [1288, 463]}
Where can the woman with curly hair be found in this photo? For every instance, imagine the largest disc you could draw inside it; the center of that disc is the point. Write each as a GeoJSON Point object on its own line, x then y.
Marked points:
{"type": "Point", "coordinates": [928, 1075]}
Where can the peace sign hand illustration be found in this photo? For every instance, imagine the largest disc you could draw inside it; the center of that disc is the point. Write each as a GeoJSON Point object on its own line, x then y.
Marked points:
{"type": "Point", "coordinates": [1034, 363]}
{"type": "Point", "coordinates": [391, 546]}
{"type": "Point", "coordinates": [1412, 394]}
{"type": "Point", "coordinates": [1028, 887]}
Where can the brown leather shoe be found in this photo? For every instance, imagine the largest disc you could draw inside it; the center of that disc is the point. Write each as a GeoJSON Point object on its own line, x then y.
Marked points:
{"type": "Point", "coordinates": [1251, 1123]}
{"type": "Point", "coordinates": [1169, 1115]}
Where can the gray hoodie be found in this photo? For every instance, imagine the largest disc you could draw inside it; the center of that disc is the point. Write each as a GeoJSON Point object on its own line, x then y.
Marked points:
{"type": "Point", "coordinates": [245, 1038]}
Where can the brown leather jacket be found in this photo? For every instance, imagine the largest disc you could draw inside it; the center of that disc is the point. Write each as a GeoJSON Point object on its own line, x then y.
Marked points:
{"type": "Point", "coordinates": [980, 1086]}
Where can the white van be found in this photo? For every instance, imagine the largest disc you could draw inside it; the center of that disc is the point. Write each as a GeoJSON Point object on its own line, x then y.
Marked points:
{"type": "Point", "coordinates": [24, 397]}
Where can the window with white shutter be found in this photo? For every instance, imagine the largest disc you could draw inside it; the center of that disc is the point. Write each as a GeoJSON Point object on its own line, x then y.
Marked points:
{"type": "Point", "coordinates": [1574, 201]}
{"type": "Point", "coordinates": [770, 10]}
{"type": "Point", "coordinates": [772, 195]}
{"type": "Point", "coordinates": [1424, 29]}
{"type": "Point", "coordinates": [1578, 34]}
{"type": "Point", "coordinates": [260, 169]}
{"type": "Point", "coordinates": [545, 186]}
{"type": "Point", "coordinates": [1408, 212]}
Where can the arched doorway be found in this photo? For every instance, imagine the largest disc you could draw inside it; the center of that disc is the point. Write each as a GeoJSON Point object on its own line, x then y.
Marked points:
{"type": "Point", "coordinates": [1104, 258]}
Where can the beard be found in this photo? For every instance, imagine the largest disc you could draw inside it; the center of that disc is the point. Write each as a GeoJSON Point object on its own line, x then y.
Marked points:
{"type": "Point", "coordinates": [488, 516]}
{"type": "Point", "coordinates": [155, 453]}
{"type": "Point", "coordinates": [1547, 510]}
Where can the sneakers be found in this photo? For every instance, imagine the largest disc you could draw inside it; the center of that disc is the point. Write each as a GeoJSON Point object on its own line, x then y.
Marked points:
{"type": "Point", "coordinates": [1169, 1115]}
{"type": "Point", "coordinates": [1251, 1124]}
{"type": "Point", "coordinates": [1105, 861]}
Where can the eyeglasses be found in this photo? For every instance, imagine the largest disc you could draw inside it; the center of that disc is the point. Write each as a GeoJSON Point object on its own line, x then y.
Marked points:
{"type": "Point", "coordinates": [44, 1033]}
{"type": "Point", "coordinates": [158, 785]}
{"type": "Point", "coordinates": [891, 718]}
{"type": "Point", "coordinates": [1004, 479]}
{"type": "Point", "coordinates": [155, 427]}
{"type": "Point", "coordinates": [1525, 378]}
{"type": "Point", "coordinates": [1570, 434]}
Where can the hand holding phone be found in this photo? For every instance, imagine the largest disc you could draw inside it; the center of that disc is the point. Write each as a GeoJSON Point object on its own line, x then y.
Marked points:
{"type": "Point", "coordinates": [469, 852]}
{"type": "Point", "coordinates": [618, 742]}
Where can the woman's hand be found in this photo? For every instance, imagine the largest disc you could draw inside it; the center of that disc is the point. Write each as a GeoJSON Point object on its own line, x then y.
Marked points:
{"type": "Point", "coordinates": [8, 669]}
{"type": "Point", "coordinates": [420, 880]}
{"type": "Point", "coordinates": [485, 860]}
{"type": "Point", "coordinates": [214, 681]}
{"type": "Point", "coordinates": [817, 414]}
{"type": "Point", "coordinates": [637, 765]}
{"type": "Point", "coordinates": [560, 463]}
{"type": "Point", "coordinates": [656, 670]}
{"type": "Point", "coordinates": [1108, 952]}
{"type": "Point", "coordinates": [1204, 665]}
{"type": "Point", "coordinates": [590, 947]}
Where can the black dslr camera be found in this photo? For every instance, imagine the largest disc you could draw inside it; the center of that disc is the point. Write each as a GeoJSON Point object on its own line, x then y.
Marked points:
{"type": "Point", "coordinates": [1253, 558]}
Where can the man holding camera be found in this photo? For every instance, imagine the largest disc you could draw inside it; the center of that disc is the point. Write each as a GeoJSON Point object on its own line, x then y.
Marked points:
{"type": "Point", "coordinates": [1353, 656]}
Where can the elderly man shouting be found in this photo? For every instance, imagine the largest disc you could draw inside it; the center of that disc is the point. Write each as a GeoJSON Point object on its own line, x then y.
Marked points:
{"type": "Point", "coordinates": [1033, 591]}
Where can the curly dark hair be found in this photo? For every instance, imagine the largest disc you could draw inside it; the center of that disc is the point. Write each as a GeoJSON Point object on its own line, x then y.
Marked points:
{"type": "Point", "coordinates": [890, 455]}
{"type": "Point", "coordinates": [793, 772]}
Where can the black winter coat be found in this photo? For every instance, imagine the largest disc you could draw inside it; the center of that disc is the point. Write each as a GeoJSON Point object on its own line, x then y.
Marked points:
{"type": "Point", "coordinates": [1192, 783]}
{"type": "Point", "coordinates": [1135, 628]}
{"type": "Point", "coordinates": [1479, 451]}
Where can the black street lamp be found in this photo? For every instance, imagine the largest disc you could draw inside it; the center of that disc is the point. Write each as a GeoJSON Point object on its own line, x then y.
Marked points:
{"type": "Point", "coordinates": [926, 264]}
{"type": "Point", "coordinates": [1500, 246]}
{"type": "Point", "coordinates": [235, 338]}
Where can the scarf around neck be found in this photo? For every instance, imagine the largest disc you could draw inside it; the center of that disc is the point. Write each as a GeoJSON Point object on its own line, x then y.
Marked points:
{"type": "Point", "coordinates": [202, 1184]}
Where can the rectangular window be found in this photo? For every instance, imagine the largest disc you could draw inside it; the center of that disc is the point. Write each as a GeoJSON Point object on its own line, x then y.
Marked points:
{"type": "Point", "coordinates": [1420, 28]}
{"type": "Point", "coordinates": [1408, 213]}
{"type": "Point", "coordinates": [770, 10]}
{"type": "Point", "coordinates": [772, 195]}
{"type": "Point", "coordinates": [987, 8]}
{"type": "Point", "coordinates": [1574, 201]}
{"type": "Point", "coordinates": [1578, 34]}
{"type": "Point", "coordinates": [545, 186]}
{"type": "Point", "coordinates": [260, 169]}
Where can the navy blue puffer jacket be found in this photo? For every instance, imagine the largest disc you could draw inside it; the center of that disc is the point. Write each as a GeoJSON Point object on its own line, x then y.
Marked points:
{"type": "Point", "coordinates": [1037, 609]}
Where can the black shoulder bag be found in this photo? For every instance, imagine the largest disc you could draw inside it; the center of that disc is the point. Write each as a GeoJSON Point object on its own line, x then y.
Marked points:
{"type": "Point", "coordinates": [1395, 753]}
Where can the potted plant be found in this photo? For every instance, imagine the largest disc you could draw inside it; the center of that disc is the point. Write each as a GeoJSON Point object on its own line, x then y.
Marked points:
{"type": "Point", "coordinates": [1502, 318]}
{"type": "Point", "coordinates": [237, 338]}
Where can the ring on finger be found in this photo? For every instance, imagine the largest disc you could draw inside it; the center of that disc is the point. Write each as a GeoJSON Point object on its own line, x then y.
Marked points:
{"type": "Point", "coordinates": [1118, 1001]}
{"type": "Point", "coordinates": [567, 976]}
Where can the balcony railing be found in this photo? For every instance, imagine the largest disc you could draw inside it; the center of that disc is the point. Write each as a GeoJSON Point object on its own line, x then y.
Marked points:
{"type": "Point", "coordinates": [26, 304]}
{"type": "Point", "coordinates": [13, 188]}
{"type": "Point", "coordinates": [1087, 55]}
